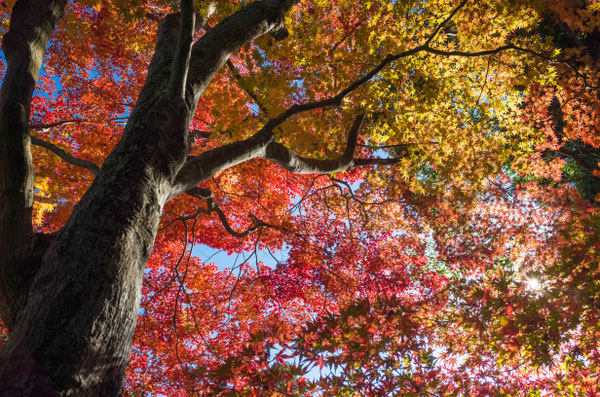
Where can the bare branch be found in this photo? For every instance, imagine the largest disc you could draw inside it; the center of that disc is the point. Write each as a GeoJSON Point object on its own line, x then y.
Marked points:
{"type": "Point", "coordinates": [45, 126]}
{"type": "Point", "coordinates": [246, 89]}
{"type": "Point", "coordinates": [470, 54]}
{"type": "Point", "coordinates": [435, 32]}
{"type": "Point", "coordinates": [93, 168]}
{"type": "Point", "coordinates": [206, 194]}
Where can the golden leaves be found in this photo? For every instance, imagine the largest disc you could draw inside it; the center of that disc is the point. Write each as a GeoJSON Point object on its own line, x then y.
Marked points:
{"type": "Point", "coordinates": [43, 202]}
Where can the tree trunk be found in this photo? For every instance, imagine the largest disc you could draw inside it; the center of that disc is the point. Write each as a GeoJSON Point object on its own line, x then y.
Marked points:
{"type": "Point", "coordinates": [74, 334]}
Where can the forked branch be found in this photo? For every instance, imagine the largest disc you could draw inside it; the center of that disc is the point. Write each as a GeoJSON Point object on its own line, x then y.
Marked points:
{"type": "Point", "coordinates": [263, 145]}
{"type": "Point", "coordinates": [211, 206]}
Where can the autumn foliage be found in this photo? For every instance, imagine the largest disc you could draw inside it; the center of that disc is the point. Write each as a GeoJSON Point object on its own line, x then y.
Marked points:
{"type": "Point", "coordinates": [464, 264]}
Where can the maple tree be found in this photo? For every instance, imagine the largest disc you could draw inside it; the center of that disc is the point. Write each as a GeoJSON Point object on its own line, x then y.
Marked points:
{"type": "Point", "coordinates": [421, 175]}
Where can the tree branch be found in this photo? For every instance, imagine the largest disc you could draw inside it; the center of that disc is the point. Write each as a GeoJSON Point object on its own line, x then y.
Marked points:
{"type": "Point", "coordinates": [93, 168]}
{"type": "Point", "coordinates": [435, 32]}
{"type": "Point", "coordinates": [300, 165]}
{"type": "Point", "coordinates": [579, 160]}
{"type": "Point", "coordinates": [470, 54]}
{"type": "Point", "coordinates": [344, 38]}
{"type": "Point", "coordinates": [45, 126]}
{"type": "Point", "coordinates": [206, 194]}
{"type": "Point", "coordinates": [281, 155]}
{"type": "Point", "coordinates": [213, 49]}
{"type": "Point", "coordinates": [262, 145]}
{"type": "Point", "coordinates": [181, 62]}
{"type": "Point", "coordinates": [337, 99]}
{"type": "Point", "coordinates": [199, 168]}
{"type": "Point", "coordinates": [558, 62]}
{"type": "Point", "coordinates": [246, 89]}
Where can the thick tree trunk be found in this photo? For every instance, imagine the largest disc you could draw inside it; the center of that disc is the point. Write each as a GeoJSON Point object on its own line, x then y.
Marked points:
{"type": "Point", "coordinates": [74, 335]}
{"type": "Point", "coordinates": [71, 300]}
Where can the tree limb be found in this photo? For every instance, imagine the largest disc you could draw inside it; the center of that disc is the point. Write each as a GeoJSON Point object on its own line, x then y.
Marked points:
{"type": "Point", "coordinates": [337, 99]}
{"type": "Point", "coordinates": [181, 61]}
{"type": "Point", "coordinates": [470, 54]}
{"type": "Point", "coordinates": [206, 194]}
{"type": "Point", "coordinates": [262, 144]}
{"type": "Point", "coordinates": [278, 153]}
{"type": "Point", "coordinates": [93, 168]}
{"type": "Point", "coordinates": [200, 168]}
{"type": "Point", "coordinates": [213, 50]}
{"type": "Point", "coordinates": [281, 155]}
{"type": "Point", "coordinates": [45, 126]}
{"type": "Point", "coordinates": [215, 47]}
{"type": "Point", "coordinates": [435, 32]}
